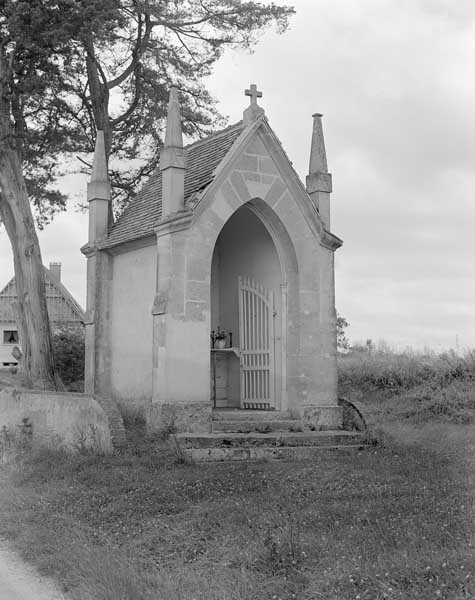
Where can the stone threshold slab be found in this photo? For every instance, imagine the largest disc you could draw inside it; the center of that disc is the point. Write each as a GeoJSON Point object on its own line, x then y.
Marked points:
{"type": "Point", "coordinates": [276, 438]}
{"type": "Point", "coordinates": [264, 453]}
{"type": "Point", "coordinates": [247, 426]}
{"type": "Point", "coordinates": [238, 414]}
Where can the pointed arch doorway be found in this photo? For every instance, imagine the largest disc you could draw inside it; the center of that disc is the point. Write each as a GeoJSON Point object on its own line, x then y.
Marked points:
{"type": "Point", "coordinates": [247, 282]}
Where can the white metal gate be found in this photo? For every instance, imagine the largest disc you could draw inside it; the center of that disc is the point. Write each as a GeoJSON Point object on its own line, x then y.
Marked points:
{"type": "Point", "coordinates": [256, 340]}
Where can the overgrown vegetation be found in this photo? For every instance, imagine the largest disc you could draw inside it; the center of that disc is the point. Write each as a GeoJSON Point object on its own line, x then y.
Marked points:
{"type": "Point", "coordinates": [68, 349]}
{"type": "Point", "coordinates": [415, 386]}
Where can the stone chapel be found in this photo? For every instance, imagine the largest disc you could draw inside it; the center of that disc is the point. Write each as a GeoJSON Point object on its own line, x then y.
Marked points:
{"type": "Point", "coordinates": [214, 289]}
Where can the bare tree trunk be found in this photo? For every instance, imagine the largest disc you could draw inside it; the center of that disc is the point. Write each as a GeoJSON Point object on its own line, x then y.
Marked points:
{"type": "Point", "coordinates": [99, 94]}
{"type": "Point", "coordinates": [15, 213]}
{"type": "Point", "coordinates": [34, 327]}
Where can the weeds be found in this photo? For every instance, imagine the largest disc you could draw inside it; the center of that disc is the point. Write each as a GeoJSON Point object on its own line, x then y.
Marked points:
{"type": "Point", "coordinates": [281, 552]}
{"type": "Point", "coordinates": [87, 440]}
{"type": "Point", "coordinates": [265, 428]}
{"type": "Point", "coordinates": [17, 440]}
{"type": "Point", "coordinates": [415, 387]}
{"type": "Point", "coordinates": [393, 372]}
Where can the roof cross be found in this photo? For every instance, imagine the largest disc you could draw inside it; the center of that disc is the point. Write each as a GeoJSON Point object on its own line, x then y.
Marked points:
{"type": "Point", "coordinates": [253, 93]}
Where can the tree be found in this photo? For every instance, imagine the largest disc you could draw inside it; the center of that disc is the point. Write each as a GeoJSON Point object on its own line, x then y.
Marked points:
{"type": "Point", "coordinates": [341, 339]}
{"type": "Point", "coordinates": [68, 348]}
{"type": "Point", "coordinates": [30, 43]}
{"type": "Point", "coordinates": [69, 67]}
{"type": "Point", "coordinates": [131, 52]}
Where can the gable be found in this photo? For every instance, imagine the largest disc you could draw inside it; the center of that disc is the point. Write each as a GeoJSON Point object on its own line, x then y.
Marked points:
{"type": "Point", "coordinates": [141, 216]}
{"type": "Point", "coordinates": [62, 307]}
{"type": "Point", "coordinates": [7, 296]}
{"type": "Point", "coordinates": [258, 167]}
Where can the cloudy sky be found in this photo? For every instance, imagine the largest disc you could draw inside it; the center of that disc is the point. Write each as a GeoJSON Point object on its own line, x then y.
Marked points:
{"type": "Point", "coordinates": [395, 82]}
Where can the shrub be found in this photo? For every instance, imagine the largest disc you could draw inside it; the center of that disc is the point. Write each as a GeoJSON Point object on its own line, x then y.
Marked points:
{"type": "Point", "coordinates": [395, 373]}
{"type": "Point", "coordinates": [68, 348]}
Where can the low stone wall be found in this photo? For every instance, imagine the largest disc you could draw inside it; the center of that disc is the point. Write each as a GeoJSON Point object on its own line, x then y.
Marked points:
{"type": "Point", "coordinates": [73, 420]}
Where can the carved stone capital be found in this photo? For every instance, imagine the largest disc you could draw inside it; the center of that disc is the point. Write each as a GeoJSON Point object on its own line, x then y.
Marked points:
{"type": "Point", "coordinates": [99, 190]}
{"type": "Point", "coordinates": [319, 182]}
{"type": "Point", "coordinates": [330, 241]}
{"type": "Point", "coordinates": [89, 250]}
{"type": "Point", "coordinates": [160, 303]}
{"type": "Point", "coordinates": [172, 157]}
{"type": "Point", "coordinates": [89, 316]}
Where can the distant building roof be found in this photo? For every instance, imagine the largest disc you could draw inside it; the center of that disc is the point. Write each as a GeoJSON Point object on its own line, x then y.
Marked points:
{"type": "Point", "coordinates": [141, 216]}
{"type": "Point", "coordinates": [62, 307]}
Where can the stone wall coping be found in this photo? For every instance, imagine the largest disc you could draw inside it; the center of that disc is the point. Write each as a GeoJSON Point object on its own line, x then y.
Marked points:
{"type": "Point", "coordinates": [120, 247]}
{"type": "Point", "coordinates": [330, 241]}
{"type": "Point", "coordinates": [47, 393]}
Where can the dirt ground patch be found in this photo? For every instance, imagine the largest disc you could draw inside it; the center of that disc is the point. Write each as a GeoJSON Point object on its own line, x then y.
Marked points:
{"type": "Point", "coordinates": [19, 581]}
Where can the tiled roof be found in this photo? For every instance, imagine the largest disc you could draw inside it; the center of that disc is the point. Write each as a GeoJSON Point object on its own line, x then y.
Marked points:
{"type": "Point", "coordinates": [142, 214]}
{"type": "Point", "coordinates": [62, 307]}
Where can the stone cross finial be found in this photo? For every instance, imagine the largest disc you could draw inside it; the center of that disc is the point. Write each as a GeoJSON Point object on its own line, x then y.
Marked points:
{"type": "Point", "coordinates": [253, 111]}
{"type": "Point", "coordinates": [253, 93]}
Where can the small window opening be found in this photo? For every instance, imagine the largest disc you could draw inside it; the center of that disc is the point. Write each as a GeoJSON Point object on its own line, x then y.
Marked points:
{"type": "Point", "coordinates": [10, 336]}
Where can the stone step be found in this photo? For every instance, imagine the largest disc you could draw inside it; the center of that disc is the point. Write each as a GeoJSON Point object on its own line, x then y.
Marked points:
{"type": "Point", "coordinates": [272, 439]}
{"type": "Point", "coordinates": [261, 426]}
{"type": "Point", "coordinates": [284, 453]}
{"type": "Point", "coordinates": [238, 414]}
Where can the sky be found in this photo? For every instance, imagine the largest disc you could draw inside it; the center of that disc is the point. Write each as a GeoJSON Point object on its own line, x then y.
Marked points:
{"type": "Point", "coordinates": [395, 82]}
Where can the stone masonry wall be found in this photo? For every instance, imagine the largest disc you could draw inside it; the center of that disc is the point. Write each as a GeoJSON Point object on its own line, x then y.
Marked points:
{"type": "Point", "coordinates": [72, 420]}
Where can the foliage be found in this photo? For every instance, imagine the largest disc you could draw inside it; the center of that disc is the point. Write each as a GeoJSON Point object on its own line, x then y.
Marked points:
{"type": "Point", "coordinates": [68, 348]}
{"type": "Point", "coordinates": [14, 440]}
{"type": "Point", "coordinates": [341, 339]}
{"type": "Point", "coordinates": [77, 65]}
{"type": "Point", "coordinates": [415, 387]}
{"type": "Point", "coordinates": [395, 372]}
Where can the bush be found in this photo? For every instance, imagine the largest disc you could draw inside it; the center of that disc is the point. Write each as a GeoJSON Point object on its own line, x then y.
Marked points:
{"type": "Point", "coordinates": [415, 387]}
{"type": "Point", "coordinates": [396, 373]}
{"type": "Point", "coordinates": [68, 348]}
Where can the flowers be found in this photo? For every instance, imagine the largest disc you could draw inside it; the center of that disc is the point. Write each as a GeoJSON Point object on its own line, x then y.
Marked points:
{"type": "Point", "coordinates": [220, 334]}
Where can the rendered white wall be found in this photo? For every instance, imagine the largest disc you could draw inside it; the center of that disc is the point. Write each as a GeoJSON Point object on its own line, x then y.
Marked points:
{"type": "Point", "coordinates": [133, 292]}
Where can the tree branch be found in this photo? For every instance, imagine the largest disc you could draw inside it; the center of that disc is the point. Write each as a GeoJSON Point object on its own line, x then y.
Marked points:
{"type": "Point", "coordinates": [137, 52]}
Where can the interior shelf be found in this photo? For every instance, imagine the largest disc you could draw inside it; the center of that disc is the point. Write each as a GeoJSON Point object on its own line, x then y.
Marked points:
{"type": "Point", "coordinates": [236, 351]}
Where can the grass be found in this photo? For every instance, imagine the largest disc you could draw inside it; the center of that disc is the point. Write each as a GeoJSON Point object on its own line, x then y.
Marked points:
{"type": "Point", "coordinates": [392, 522]}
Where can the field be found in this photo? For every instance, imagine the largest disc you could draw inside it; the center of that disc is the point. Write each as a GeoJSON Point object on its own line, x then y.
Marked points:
{"type": "Point", "coordinates": [395, 521]}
